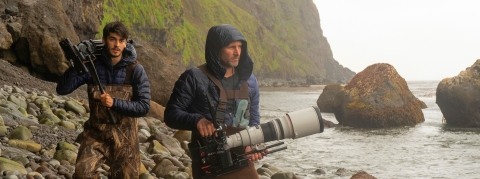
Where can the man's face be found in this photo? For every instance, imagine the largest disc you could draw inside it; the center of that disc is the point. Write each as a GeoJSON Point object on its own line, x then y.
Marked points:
{"type": "Point", "coordinates": [115, 44]}
{"type": "Point", "coordinates": [230, 54]}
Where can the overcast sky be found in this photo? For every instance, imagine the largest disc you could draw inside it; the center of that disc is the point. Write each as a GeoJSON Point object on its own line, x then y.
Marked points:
{"type": "Point", "coordinates": [422, 39]}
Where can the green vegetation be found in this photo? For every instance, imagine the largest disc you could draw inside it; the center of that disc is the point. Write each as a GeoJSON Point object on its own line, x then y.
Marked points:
{"type": "Point", "coordinates": [275, 41]}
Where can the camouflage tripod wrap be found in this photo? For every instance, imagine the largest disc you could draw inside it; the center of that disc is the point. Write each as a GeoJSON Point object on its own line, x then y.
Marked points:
{"type": "Point", "coordinates": [104, 142]}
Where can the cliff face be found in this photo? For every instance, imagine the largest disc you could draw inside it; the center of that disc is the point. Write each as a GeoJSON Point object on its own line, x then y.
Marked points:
{"type": "Point", "coordinates": [85, 15]}
{"type": "Point", "coordinates": [284, 36]}
{"type": "Point", "coordinates": [297, 24]}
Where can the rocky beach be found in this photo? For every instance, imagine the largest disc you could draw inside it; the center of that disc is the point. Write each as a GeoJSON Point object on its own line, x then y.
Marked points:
{"type": "Point", "coordinates": [39, 129]}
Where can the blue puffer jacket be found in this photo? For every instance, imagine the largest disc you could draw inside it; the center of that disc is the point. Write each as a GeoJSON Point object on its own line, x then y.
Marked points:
{"type": "Point", "coordinates": [188, 101]}
{"type": "Point", "coordinates": [108, 74]}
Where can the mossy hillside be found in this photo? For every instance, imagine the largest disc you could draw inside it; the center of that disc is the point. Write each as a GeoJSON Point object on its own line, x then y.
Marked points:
{"type": "Point", "coordinates": [290, 21]}
{"type": "Point", "coordinates": [186, 22]}
{"type": "Point", "coordinates": [208, 13]}
{"type": "Point", "coordinates": [284, 18]}
{"type": "Point", "coordinates": [183, 40]}
{"type": "Point", "coordinates": [151, 13]}
{"type": "Point", "coordinates": [149, 16]}
{"type": "Point", "coordinates": [272, 56]}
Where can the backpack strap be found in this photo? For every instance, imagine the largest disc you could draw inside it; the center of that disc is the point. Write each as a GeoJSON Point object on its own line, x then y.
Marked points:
{"type": "Point", "coordinates": [222, 101]}
{"type": "Point", "coordinates": [225, 94]}
{"type": "Point", "coordinates": [238, 94]}
{"type": "Point", "coordinates": [128, 77]}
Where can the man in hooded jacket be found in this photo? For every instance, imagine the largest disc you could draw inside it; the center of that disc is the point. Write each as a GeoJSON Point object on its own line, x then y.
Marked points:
{"type": "Point", "coordinates": [127, 96]}
{"type": "Point", "coordinates": [228, 63]}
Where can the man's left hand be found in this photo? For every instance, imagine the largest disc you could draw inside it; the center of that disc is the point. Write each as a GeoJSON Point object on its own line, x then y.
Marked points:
{"type": "Point", "coordinates": [106, 100]}
{"type": "Point", "coordinates": [255, 156]}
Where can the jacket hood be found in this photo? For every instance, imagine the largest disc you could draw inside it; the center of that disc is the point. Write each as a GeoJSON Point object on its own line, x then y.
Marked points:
{"type": "Point", "coordinates": [220, 36]}
{"type": "Point", "coordinates": [129, 55]}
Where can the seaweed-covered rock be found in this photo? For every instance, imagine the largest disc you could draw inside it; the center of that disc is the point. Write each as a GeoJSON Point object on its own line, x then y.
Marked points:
{"type": "Point", "coordinates": [459, 98]}
{"type": "Point", "coordinates": [377, 97]}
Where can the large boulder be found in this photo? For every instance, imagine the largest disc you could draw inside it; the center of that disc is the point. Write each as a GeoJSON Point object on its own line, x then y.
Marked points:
{"type": "Point", "coordinates": [5, 37]}
{"type": "Point", "coordinates": [44, 25]}
{"type": "Point", "coordinates": [15, 30]}
{"type": "Point", "coordinates": [362, 175]}
{"type": "Point", "coordinates": [86, 16]}
{"type": "Point", "coordinates": [172, 144]}
{"type": "Point", "coordinates": [7, 164]}
{"type": "Point", "coordinates": [163, 69]}
{"type": "Point", "coordinates": [20, 133]}
{"type": "Point", "coordinates": [2, 5]}
{"type": "Point", "coordinates": [377, 97]}
{"type": "Point", "coordinates": [29, 145]}
{"type": "Point", "coordinates": [459, 98]}
{"type": "Point", "coordinates": [326, 99]}
{"type": "Point", "coordinates": [156, 111]}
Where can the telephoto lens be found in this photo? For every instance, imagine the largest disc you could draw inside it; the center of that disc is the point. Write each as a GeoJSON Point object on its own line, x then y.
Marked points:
{"type": "Point", "coordinates": [293, 125]}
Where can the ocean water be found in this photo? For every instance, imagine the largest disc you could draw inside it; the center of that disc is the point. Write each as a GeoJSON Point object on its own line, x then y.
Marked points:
{"type": "Point", "coordinates": [428, 150]}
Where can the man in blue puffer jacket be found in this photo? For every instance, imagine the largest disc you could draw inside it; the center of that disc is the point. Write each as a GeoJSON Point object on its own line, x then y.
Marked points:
{"type": "Point", "coordinates": [127, 96]}
{"type": "Point", "coordinates": [228, 63]}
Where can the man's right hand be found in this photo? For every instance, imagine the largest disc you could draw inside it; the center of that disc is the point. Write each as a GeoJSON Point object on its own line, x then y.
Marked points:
{"type": "Point", "coordinates": [205, 127]}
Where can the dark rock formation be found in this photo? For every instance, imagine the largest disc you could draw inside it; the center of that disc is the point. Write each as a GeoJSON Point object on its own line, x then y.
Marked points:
{"type": "Point", "coordinates": [329, 124]}
{"type": "Point", "coordinates": [362, 175]}
{"type": "Point", "coordinates": [327, 98]}
{"type": "Point", "coordinates": [422, 104]}
{"type": "Point", "coordinates": [459, 98]}
{"type": "Point", "coordinates": [85, 15]}
{"type": "Point", "coordinates": [377, 97]}
{"type": "Point", "coordinates": [5, 37]}
{"type": "Point", "coordinates": [156, 111]}
{"type": "Point", "coordinates": [44, 25]}
{"type": "Point", "coordinates": [163, 70]}
{"type": "Point", "coordinates": [2, 6]}
{"type": "Point", "coordinates": [38, 26]}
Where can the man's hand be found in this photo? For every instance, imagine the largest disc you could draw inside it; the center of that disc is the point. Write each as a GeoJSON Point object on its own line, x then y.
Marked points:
{"type": "Point", "coordinates": [255, 156]}
{"type": "Point", "coordinates": [205, 127]}
{"type": "Point", "coordinates": [106, 100]}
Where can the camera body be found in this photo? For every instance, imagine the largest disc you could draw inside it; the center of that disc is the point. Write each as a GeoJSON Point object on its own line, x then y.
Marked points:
{"type": "Point", "coordinates": [82, 53]}
{"type": "Point", "coordinates": [215, 155]}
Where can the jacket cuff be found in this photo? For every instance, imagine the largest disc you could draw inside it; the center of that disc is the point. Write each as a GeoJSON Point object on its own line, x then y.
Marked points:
{"type": "Point", "coordinates": [114, 103]}
{"type": "Point", "coordinates": [197, 119]}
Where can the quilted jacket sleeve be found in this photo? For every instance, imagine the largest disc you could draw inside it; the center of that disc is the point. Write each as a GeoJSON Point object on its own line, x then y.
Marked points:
{"type": "Point", "coordinates": [70, 81]}
{"type": "Point", "coordinates": [177, 114]}
{"type": "Point", "coordinates": [254, 94]}
{"type": "Point", "coordinates": [139, 105]}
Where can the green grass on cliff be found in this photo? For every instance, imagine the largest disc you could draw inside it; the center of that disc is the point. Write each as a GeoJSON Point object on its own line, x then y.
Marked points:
{"type": "Point", "coordinates": [182, 25]}
{"type": "Point", "coordinates": [145, 18]}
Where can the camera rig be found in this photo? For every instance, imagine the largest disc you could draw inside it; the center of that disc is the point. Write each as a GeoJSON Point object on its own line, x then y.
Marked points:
{"type": "Point", "coordinates": [214, 152]}
{"type": "Point", "coordinates": [216, 157]}
{"type": "Point", "coordinates": [83, 54]}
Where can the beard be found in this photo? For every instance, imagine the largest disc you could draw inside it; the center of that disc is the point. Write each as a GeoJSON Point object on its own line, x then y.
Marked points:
{"type": "Point", "coordinates": [230, 64]}
{"type": "Point", "coordinates": [115, 55]}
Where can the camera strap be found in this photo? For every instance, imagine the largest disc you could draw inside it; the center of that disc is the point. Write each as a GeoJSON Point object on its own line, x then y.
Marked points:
{"type": "Point", "coordinates": [128, 77]}
{"type": "Point", "coordinates": [225, 95]}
